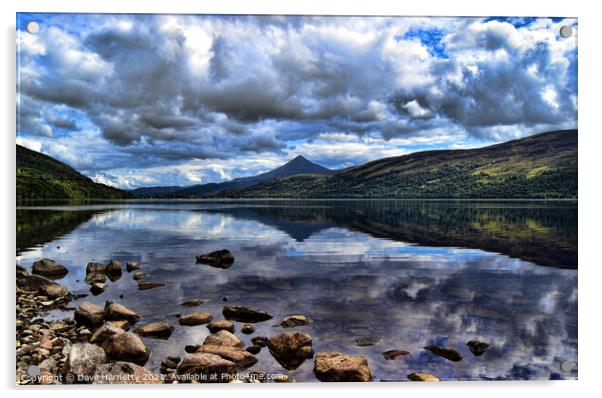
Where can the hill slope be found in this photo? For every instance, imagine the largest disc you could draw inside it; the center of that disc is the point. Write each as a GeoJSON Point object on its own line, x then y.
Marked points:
{"type": "Point", "coordinates": [539, 166]}
{"type": "Point", "coordinates": [41, 177]}
{"type": "Point", "coordinates": [298, 165]}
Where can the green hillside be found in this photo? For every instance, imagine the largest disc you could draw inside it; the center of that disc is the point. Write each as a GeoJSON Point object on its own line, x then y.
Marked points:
{"type": "Point", "coordinates": [42, 177]}
{"type": "Point", "coordinates": [537, 167]}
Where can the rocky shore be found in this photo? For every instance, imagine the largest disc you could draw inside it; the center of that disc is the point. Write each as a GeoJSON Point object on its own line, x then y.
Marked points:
{"type": "Point", "coordinates": [102, 344]}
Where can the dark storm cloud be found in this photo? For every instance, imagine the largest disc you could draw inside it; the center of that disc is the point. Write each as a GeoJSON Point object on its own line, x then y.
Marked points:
{"type": "Point", "coordinates": [172, 88]}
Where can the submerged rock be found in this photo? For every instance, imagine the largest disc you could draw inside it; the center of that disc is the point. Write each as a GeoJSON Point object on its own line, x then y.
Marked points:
{"type": "Point", "coordinates": [116, 312]}
{"type": "Point", "coordinates": [192, 303]}
{"type": "Point", "coordinates": [219, 259]}
{"type": "Point", "coordinates": [419, 376]}
{"type": "Point", "coordinates": [132, 266]}
{"type": "Point", "coordinates": [207, 368]}
{"type": "Point", "coordinates": [295, 320]}
{"type": "Point", "coordinates": [89, 314]}
{"type": "Point", "coordinates": [245, 314]}
{"type": "Point", "coordinates": [338, 367]}
{"type": "Point", "coordinates": [477, 347]}
{"type": "Point", "coordinates": [223, 338]}
{"type": "Point", "coordinates": [49, 267]}
{"type": "Point", "coordinates": [149, 285]}
{"type": "Point", "coordinates": [196, 318]}
{"type": "Point", "coordinates": [138, 275]}
{"type": "Point", "coordinates": [247, 329]}
{"type": "Point", "coordinates": [366, 341]}
{"type": "Point", "coordinates": [82, 362]}
{"type": "Point", "coordinates": [291, 349]}
{"type": "Point", "coordinates": [447, 353]}
{"type": "Point", "coordinates": [156, 329]}
{"type": "Point", "coordinates": [124, 373]}
{"type": "Point", "coordinates": [394, 354]}
{"type": "Point", "coordinates": [126, 346]}
{"type": "Point", "coordinates": [221, 324]}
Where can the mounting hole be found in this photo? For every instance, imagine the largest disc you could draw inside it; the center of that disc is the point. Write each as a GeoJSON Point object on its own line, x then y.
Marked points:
{"type": "Point", "coordinates": [566, 31]}
{"type": "Point", "coordinates": [32, 27]}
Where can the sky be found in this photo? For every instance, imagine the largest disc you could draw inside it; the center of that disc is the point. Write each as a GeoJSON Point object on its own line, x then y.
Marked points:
{"type": "Point", "coordinates": [149, 100]}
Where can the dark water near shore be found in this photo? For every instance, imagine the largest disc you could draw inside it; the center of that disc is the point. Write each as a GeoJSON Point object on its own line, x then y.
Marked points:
{"type": "Point", "coordinates": [408, 273]}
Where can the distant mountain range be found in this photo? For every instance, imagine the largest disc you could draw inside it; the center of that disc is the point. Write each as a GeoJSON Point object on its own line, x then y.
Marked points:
{"type": "Point", "coordinates": [536, 167]}
{"type": "Point", "coordinates": [41, 177]}
{"type": "Point", "coordinates": [297, 166]}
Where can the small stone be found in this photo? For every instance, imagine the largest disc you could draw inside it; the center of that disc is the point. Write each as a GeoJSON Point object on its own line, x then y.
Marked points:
{"type": "Point", "coordinates": [124, 373]}
{"type": "Point", "coordinates": [127, 347]}
{"type": "Point", "coordinates": [192, 348]}
{"type": "Point", "coordinates": [281, 378]}
{"type": "Point", "coordinates": [477, 347]}
{"type": "Point", "coordinates": [219, 259]}
{"type": "Point", "coordinates": [295, 320]}
{"type": "Point", "coordinates": [96, 277]}
{"type": "Point", "coordinates": [245, 314]}
{"type": "Point", "coordinates": [240, 357]}
{"type": "Point", "coordinates": [223, 338]}
{"type": "Point", "coordinates": [338, 367]}
{"type": "Point", "coordinates": [49, 267]}
{"type": "Point", "coordinates": [192, 303]}
{"type": "Point", "coordinates": [419, 376]}
{"type": "Point", "coordinates": [157, 329]}
{"type": "Point", "coordinates": [132, 266]}
{"type": "Point", "coordinates": [82, 362]}
{"type": "Point", "coordinates": [107, 330]}
{"type": "Point", "coordinates": [89, 314]}
{"type": "Point", "coordinates": [98, 288]}
{"type": "Point", "coordinates": [116, 312]}
{"type": "Point", "coordinates": [394, 354]}
{"type": "Point", "coordinates": [247, 329]}
{"type": "Point", "coordinates": [254, 349]}
{"type": "Point", "coordinates": [447, 353]}
{"type": "Point", "coordinates": [366, 341]}
{"type": "Point", "coordinates": [196, 318]}
{"type": "Point", "coordinates": [261, 341]}
{"type": "Point", "coordinates": [149, 285]}
{"type": "Point", "coordinates": [208, 368]}
{"type": "Point", "coordinates": [138, 275]}
{"type": "Point", "coordinates": [221, 324]}
{"type": "Point", "coordinates": [291, 349]}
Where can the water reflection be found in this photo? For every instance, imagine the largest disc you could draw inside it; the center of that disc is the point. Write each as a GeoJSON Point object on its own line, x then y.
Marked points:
{"type": "Point", "coordinates": [349, 268]}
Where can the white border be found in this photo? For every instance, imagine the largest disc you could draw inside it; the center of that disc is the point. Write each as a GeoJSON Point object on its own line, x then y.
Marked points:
{"type": "Point", "coordinates": [589, 180]}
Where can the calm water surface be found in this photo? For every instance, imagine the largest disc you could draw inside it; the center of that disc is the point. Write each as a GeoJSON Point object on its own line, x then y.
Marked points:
{"type": "Point", "coordinates": [407, 273]}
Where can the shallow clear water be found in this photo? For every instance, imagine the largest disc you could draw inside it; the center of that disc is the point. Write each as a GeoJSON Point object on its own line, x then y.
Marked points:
{"type": "Point", "coordinates": [408, 273]}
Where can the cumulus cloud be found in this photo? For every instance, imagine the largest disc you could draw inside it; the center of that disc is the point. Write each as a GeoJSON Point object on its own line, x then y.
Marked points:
{"type": "Point", "coordinates": [160, 90]}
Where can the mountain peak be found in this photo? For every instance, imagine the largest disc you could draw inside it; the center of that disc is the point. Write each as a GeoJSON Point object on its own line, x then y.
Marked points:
{"type": "Point", "coordinates": [300, 158]}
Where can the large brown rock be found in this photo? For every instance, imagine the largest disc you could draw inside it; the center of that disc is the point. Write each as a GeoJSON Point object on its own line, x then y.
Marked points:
{"type": "Point", "coordinates": [291, 349]}
{"type": "Point", "coordinates": [42, 285]}
{"type": "Point", "coordinates": [334, 366]}
{"type": "Point", "coordinates": [156, 329]}
{"type": "Point", "coordinates": [242, 358]}
{"type": "Point", "coordinates": [223, 338]}
{"type": "Point", "coordinates": [89, 314]}
{"type": "Point", "coordinates": [220, 324]}
{"type": "Point", "coordinates": [245, 314]}
{"type": "Point", "coordinates": [49, 267]}
{"type": "Point", "coordinates": [82, 361]}
{"type": "Point", "coordinates": [195, 318]}
{"type": "Point", "coordinates": [124, 373]}
{"type": "Point", "coordinates": [104, 332]}
{"type": "Point", "coordinates": [126, 346]}
{"type": "Point", "coordinates": [220, 259]}
{"type": "Point", "coordinates": [206, 368]}
{"type": "Point", "coordinates": [116, 312]}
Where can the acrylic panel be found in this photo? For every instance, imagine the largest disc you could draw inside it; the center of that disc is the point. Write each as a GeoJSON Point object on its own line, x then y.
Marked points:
{"type": "Point", "coordinates": [263, 198]}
